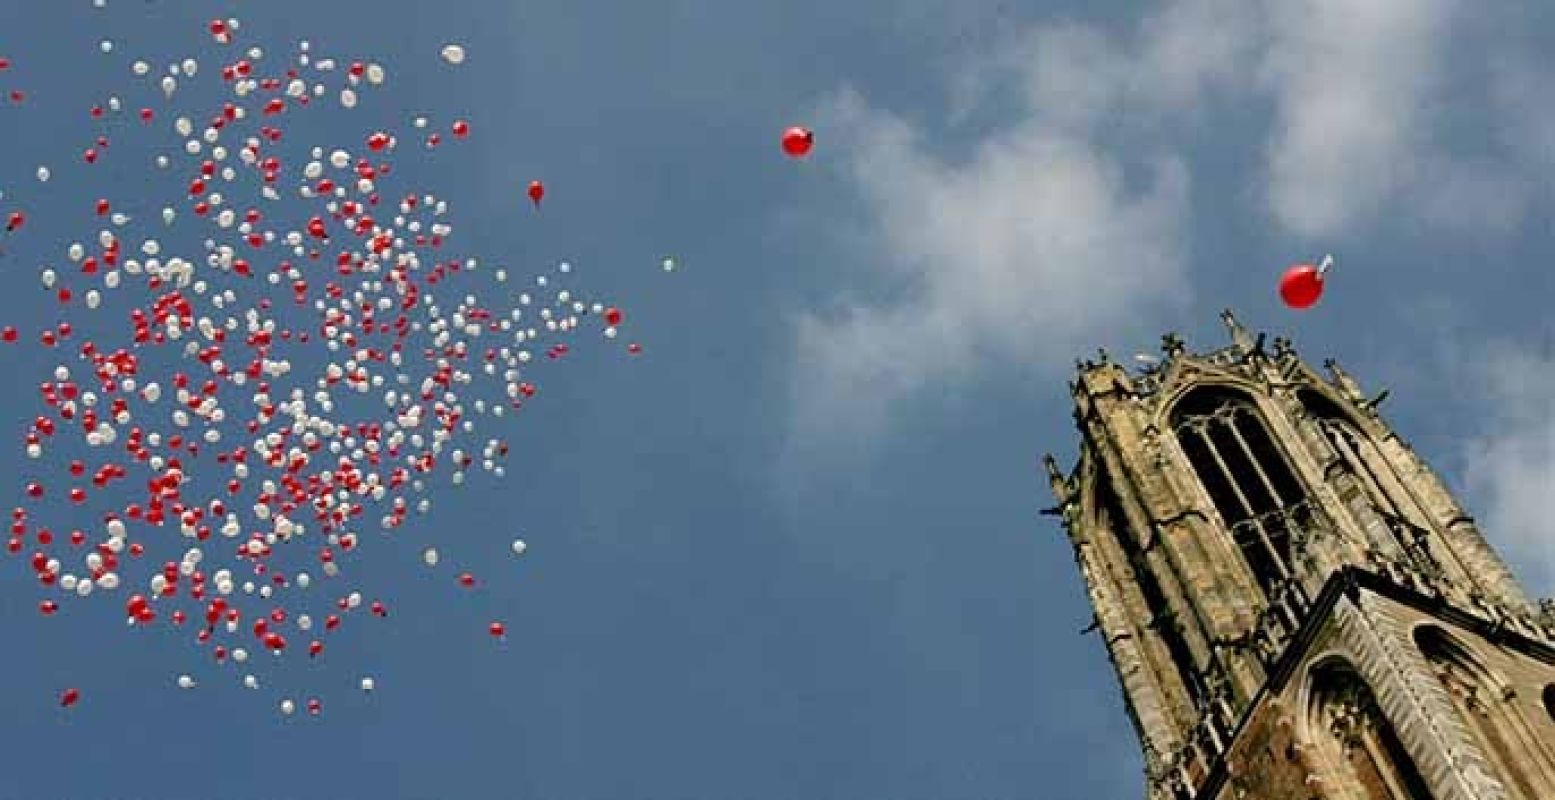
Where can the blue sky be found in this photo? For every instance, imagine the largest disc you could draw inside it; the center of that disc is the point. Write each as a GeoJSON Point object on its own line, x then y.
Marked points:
{"type": "Point", "coordinates": [793, 550]}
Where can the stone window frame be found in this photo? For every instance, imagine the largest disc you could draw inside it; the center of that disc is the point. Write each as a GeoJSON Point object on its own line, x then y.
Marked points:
{"type": "Point", "coordinates": [1358, 452]}
{"type": "Point", "coordinates": [1347, 729]}
{"type": "Point", "coordinates": [1263, 533]}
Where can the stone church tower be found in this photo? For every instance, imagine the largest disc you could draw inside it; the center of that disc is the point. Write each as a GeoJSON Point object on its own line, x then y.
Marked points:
{"type": "Point", "coordinates": [1295, 605]}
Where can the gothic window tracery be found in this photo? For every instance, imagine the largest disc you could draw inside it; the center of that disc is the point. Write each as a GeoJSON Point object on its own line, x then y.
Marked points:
{"type": "Point", "coordinates": [1355, 742]}
{"type": "Point", "coordinates": [1355, 455]}
{"type": "Point", "coordinates": [1246, 476]}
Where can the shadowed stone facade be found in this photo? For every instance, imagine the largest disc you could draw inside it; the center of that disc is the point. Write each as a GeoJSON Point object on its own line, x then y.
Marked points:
{"type": "Point", "coordinates": [1295, 605]}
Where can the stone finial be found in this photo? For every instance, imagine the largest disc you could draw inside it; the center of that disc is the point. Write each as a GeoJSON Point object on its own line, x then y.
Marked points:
{"type": "Point", "coordinates": [1172, 344]}
{"type": "Point", "coordinates": [1055, 478]}
{"type": "Point", "coordinates": [1103, 357]}
{"type": "Point", "coordinates": [1373, 403]}
{"type": "Point", "coordinates": [1283, 347]}
{"type": "Point", "coordinates": [1239, 335]}
{"type": "Point", "coordinates": [1346, 384]}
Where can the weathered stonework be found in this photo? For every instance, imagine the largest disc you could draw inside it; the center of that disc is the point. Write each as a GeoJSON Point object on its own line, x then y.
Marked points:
{"type": "Point", "coordinates": [1295, 605]}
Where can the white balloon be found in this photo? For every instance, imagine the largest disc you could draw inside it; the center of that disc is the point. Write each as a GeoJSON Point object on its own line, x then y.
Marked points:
{"type": "Point", "coordinates": [287, 707]}
{"type": "Point", "coordinates": [43, 174]}
{"type": "Point", "coordinates": [519, 547]}
{"type": "Point", "coordinates": [430, 556]}
{"type": "Point", "coordinates": [453, 54]}
{"type": "Point", "coordinates": [367, 684]}
{"type": "Point", "coordinates": [185, 682]}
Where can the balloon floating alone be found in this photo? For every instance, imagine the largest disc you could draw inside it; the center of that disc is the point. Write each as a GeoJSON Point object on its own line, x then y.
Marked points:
{"type": "Point", "coordinates": [536, 192]}
{"type": "Point", "coordinates": [1302, 285]}
{"type": "Point", "coordinates": [797, 142]}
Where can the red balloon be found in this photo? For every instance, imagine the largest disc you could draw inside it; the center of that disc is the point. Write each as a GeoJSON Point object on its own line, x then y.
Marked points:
{"type": "Point", "coordinates": [69, 698]}
{"type": "Point", "coordinates": [613, 316]}
{"type": "Point", "coordinates": [1302, 286]}
{"type": "Point", "coordinates": [797, 141]}
{"type": "Point", "coordinates": [497, 629]}
{"type": "Point", "coordinates": [536, 191]}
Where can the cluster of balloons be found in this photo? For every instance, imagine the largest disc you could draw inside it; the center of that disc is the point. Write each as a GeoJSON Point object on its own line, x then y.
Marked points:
{"type": "Point", "coordinates": [282, 356]}
{"type": "Point", "coordinates": [314, 362]}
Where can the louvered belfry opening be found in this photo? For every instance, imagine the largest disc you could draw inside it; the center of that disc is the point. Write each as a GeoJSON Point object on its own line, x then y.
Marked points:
{"type": "Point", "coordinates": [1246, 476]}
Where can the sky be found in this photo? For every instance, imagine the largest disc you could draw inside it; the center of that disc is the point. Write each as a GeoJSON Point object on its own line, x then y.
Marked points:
{"type": "Point", "coordinates": [793, 549]}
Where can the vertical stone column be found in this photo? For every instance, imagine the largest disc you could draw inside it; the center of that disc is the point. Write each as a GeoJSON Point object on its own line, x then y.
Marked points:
{"type": "Point", "coordinates": [1142, 692]}
{"type": "Point", "coordinates": [1463, 536]}
{"type": "Point", "coordinates": [1198, 558]}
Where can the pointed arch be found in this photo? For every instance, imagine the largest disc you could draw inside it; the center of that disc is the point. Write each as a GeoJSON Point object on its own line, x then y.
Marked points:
{"type": "Point", "coordinates": [1354, 743]}
{"type": "Point", "coordinates": [1482, 700]}
{"type": "Point", "coordinates": [1549, 702]}
{"type": "Point", "coordinates": [1358, 457]}
{"type": "Point", "coordinates": [1249, 478]}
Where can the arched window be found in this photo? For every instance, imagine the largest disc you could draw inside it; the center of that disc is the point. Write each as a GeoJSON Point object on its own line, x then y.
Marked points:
{"type": "Point", "coordinates": [1499, 731]}
{"type": "Point", "coordinates": [1355, 743]}
{"type": "Point", "coordinates": [1356, 457]}
{"type": "Point", "coordinates": [1246, 476]}
{"type": "Point", "coordinates": [1163, 621]}
{"type": "Point", "coordinates": [1549, 701]}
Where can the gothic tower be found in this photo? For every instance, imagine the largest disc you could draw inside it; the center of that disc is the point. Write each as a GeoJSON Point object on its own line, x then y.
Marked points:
{"type": "Point", "coordinates": [1295, 605]}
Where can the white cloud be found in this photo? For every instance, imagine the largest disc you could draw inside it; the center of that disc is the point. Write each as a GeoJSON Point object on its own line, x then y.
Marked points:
{"type": "Point", "coordinates": [1026, 250]}
{"type": "Point", "coordinates": [1520, 89]}
{"type": "Point", "coordinates": [1361, 96]}
{"type": "Point", "coordinates": [1511, 465]}
{"type": "Point", "coordinates": [1068, 224]}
